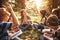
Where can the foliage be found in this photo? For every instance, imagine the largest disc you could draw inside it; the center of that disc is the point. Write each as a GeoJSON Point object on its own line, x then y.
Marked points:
{"type": "Point", "coordinates": [30, 34]}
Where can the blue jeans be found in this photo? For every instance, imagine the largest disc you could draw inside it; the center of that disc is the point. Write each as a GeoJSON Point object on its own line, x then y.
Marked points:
{"type": "Point", "coordinates": [38, 26]}
{"type": "Point", "coordinates": [4, 38]}
{"type": "Point", "coordinates": [25, 26]}
{"type": "Point", "coordinates": [41, 37]}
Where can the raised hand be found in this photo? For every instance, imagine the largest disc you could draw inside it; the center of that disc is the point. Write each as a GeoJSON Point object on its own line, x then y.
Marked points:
{"type": "Point", "coordinates": [8, 7]}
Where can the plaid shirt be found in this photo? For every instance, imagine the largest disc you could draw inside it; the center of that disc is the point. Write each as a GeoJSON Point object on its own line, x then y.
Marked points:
{"type": "Point", "coordinates": [3, 30]}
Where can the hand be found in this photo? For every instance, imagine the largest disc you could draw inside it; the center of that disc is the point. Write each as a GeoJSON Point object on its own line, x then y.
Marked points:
{"type": "Point", "coordinates": [8, 7]}
{"type": "Point", "coordinates": [48, 36]}
{"type": "Point", "coordinates": [4, 12]}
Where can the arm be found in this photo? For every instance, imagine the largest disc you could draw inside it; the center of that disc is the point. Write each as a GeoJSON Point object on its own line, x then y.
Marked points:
{"type": "Point", "coordinates": [15, 21]}
{"type": "Point", "coordinates": [47, 36]}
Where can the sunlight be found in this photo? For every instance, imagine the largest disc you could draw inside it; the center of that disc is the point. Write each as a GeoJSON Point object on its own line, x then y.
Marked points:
{"type": "Point", "coordinates": [38, 3]}
{"type": "Point", "coordinates": [32, 3]}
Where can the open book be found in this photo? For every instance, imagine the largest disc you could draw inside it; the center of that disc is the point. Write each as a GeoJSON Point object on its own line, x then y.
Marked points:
{"type": "Point", "coordinates": [16, 34]}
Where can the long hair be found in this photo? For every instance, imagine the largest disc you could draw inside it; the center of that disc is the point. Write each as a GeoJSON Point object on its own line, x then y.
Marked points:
{"type": "Point", "coordinates": [43, 12]}
{"type": "Point", "coordinates": [23, 16]}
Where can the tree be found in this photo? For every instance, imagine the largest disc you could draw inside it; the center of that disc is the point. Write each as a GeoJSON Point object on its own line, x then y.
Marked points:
{"type": "Point", "coordinates": [55, 3]}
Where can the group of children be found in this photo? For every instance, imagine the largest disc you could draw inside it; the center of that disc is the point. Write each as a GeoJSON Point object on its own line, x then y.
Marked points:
{"type": "Point", "coordinates": [51, 22]}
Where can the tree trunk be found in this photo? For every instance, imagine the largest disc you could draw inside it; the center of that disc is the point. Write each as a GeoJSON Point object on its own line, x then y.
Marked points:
{"type": "Point", "coordinates": [55, 3]}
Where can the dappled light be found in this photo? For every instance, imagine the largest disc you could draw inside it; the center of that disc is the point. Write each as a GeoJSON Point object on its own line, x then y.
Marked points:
{"type": "Point", "coordinates": [30, 19]}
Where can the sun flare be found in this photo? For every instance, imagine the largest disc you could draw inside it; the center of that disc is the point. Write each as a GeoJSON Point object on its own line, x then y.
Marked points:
{"type": "Point", "coordinates": [38, 3]}
{"type": "Point", "coordinates": [35, 3]}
